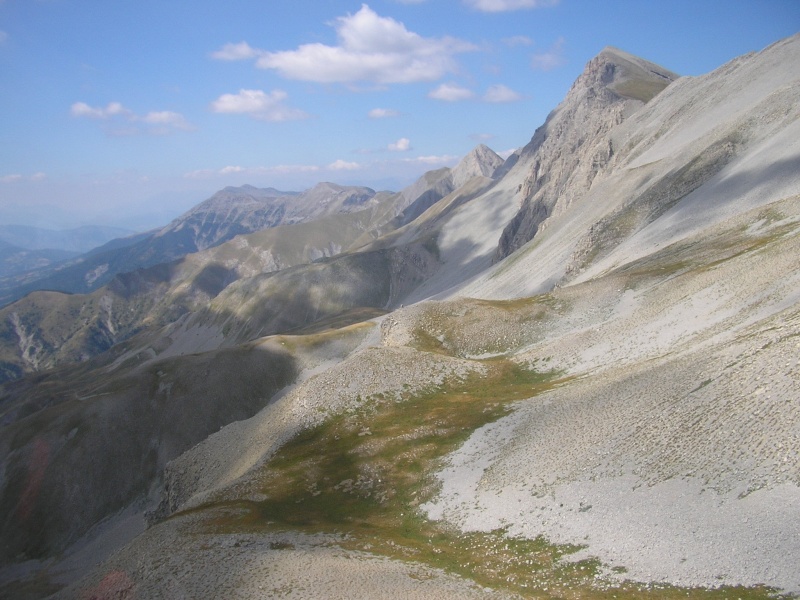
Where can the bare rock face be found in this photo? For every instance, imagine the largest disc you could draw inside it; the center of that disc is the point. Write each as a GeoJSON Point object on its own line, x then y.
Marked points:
{"type": "Point", "coordinates": [572, 147]}
{"type": "Point", "coordinates": [435, 185]}
{"type": "Point", "coordinates": [481, 161]}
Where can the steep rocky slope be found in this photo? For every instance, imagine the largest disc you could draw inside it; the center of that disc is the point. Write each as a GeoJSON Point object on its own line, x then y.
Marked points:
{"type": "Point", "coordinates": [571, 149]}
{"type": "Point", "coordinates": [435, 185]}
{"type": "Point", "coordinates": [610, 410]}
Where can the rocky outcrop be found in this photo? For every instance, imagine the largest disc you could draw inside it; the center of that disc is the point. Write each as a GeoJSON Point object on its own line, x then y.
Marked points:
{"type": "Point", "coordinates": [572, 148]}
{"type": "Point", "coordinates": [435, 185]}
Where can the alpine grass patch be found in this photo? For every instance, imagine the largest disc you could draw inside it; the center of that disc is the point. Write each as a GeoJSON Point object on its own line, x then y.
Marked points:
{"type": "Point", "coordinates": [363, 474]}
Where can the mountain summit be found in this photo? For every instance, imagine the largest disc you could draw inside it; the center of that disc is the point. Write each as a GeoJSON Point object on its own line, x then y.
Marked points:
{"type": "Point", "coordinates": [627, 75]}
{"type": "Point", "coordinates": [571, 148]}
{"type": "Point", "coordinates": [481, 161]}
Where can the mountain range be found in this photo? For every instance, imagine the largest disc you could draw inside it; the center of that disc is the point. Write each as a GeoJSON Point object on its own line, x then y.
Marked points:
{"type": "Point", "coordinates": [25, 248]}
{"type": "Point", "coordinates": [570, 373]}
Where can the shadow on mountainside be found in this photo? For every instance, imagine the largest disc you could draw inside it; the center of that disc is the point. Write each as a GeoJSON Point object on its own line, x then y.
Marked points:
{"type": "Point", "coordinates": [83, 443]}
{"type": "Point", "coordinates": [466, 247]}
{"type": "Point", "coordinates": [73, 464]}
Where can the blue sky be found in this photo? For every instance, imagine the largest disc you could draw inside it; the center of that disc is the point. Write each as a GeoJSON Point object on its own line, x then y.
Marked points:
{"type": "Point", "coordinates": [127, 113]}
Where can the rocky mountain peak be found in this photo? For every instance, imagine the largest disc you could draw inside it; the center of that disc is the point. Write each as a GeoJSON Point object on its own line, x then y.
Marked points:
{"type": "Point", "coordinates": [621, 73]}
{"type": "Point", "coordinates": [567, 153]}
{"type": "Point", "coordinates": [630, 76]}
{"type": "Point", "coordinates": [482, 160]}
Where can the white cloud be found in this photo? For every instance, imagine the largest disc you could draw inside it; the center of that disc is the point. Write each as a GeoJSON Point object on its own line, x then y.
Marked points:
{"type": "Point", "coordinates": [341, 165]}
{"type": "Point", "coordinates": [112, 109]}
{"type": "Point", "coordinates": [155, 122]}
{"type": "Point", "coordinates": [382, 113]}
{"type": "Point", "coordinates": [165, 121]}
{"type": "Point", "coordinates": [518, 40]}
{"type": "Point", "coordinates": [258, 105]}
{"type": "Point", "coordinates": [240, 51]}
{"type": "Point", "coordinates": [450, 92]}
{"type": "Point", "coordinates": [11, 178]}
{"type": "Point", "coordinates": [507, 5]}
{"type": "Point", "coordinates": [371, 48]}
{"type": "Point", "coordinates": [38, 176]}
{"type": "Point", "coordinates": [3, 36]}
{"type": "Point", "coordinates": [231, 169]}
{"type": "Point", "coordinates": [500, 93]}
{"type": "Point", "coordinates": [551, 59]}
{"type": "Point", "coordinates": [401, 145]}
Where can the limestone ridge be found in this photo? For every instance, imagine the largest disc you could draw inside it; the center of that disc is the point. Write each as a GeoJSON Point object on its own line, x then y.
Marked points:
{"type": "Point", "coordinates": [230, 212]}
{"type": "Point", "coordinates": [435, 185]}
{"type": "Point", "coordinates": [481, 161]}
{"type": "Point", "coordinates": [234, 211]}
{"type": "Point", "coordinates": [568, 152]}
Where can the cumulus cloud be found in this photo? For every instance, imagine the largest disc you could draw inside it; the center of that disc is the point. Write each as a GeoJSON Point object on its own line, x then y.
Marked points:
{"type": "Point", "coordinates": [342, 165]}
{"type": "Point", "coordinates": [154, 123]}
{"type": "Point", "coordinates": [165, 121]}
{"type": "Point", "coordinates": [500, 94]}
{"type": "Point", "coordinates": [258, 105]}
{"type": "Point", "coordinates": [401, 145]}
{"type": "Point", "coordinates": [382, 113]}
{"type": "Point", "coordinates": [370, 48]}
{"type": "Point", "coordinates": [507, 5]}
{"type": "Point", "coordinates": [112, 109]}
{"type": "Point", "coordinates": [550, 59]}
{"type": "Point", "coordinates": [451, 92]}
{"type": "Point", "coordinates": [240, 51]}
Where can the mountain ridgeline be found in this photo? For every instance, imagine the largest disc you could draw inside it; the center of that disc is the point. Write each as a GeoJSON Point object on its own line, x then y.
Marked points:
{"type": "Point", "coordinates": [181, 268]}
{"type": "Point", "coordinates": [587, 349]}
